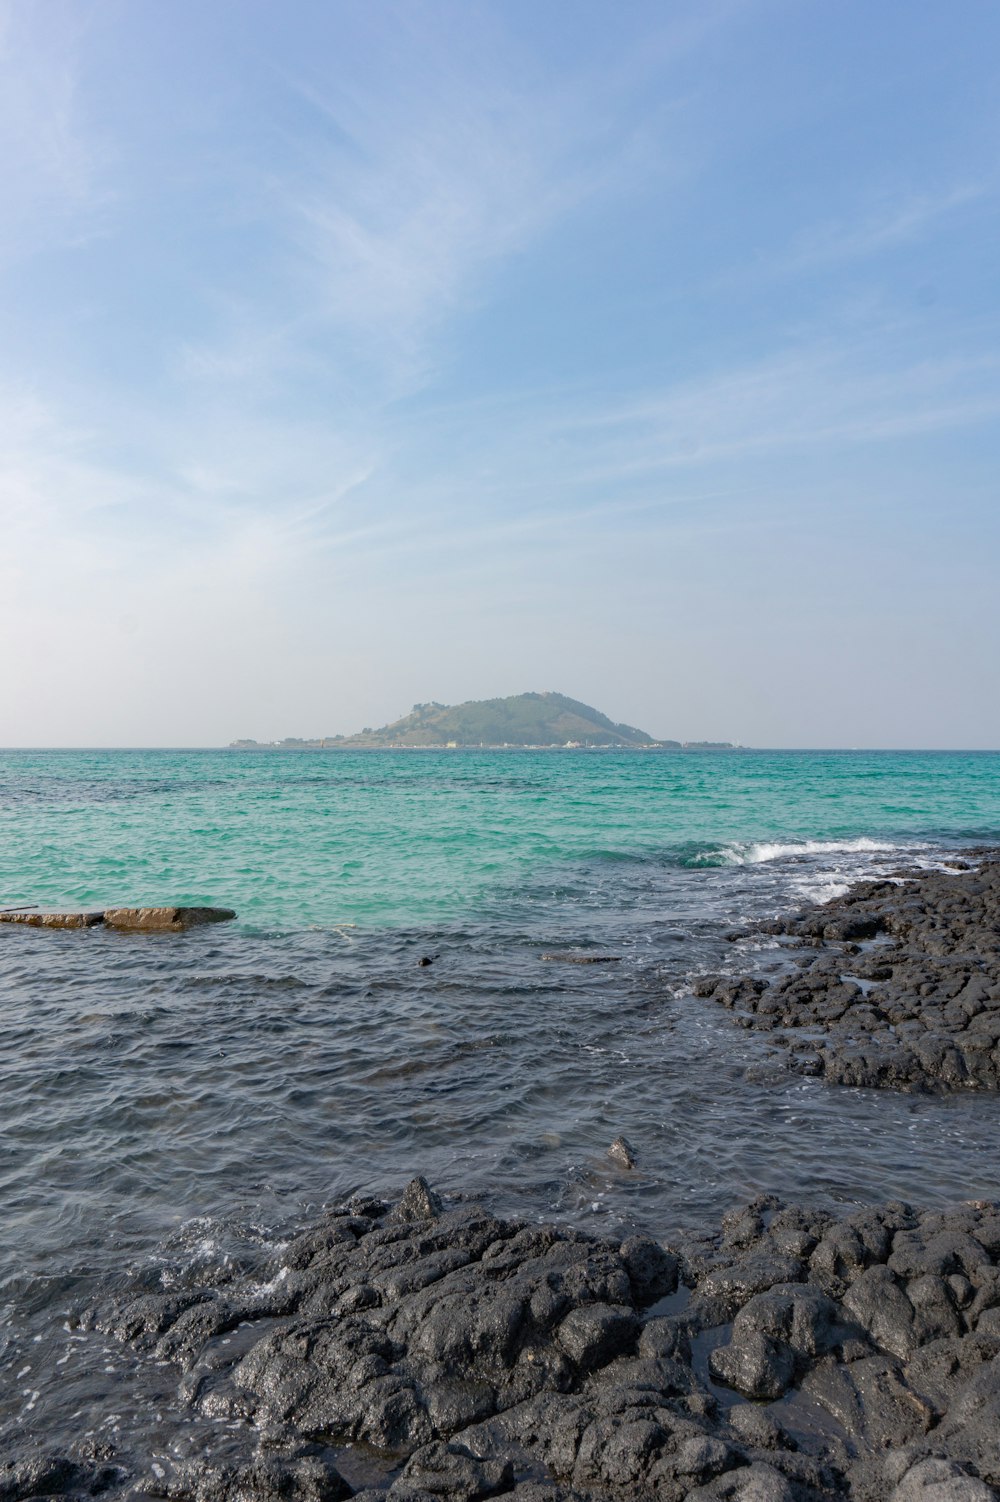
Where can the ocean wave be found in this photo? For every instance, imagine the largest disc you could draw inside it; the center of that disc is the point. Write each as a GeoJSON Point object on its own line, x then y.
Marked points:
{"type": "Point", "coordinates": [818, 870]}
{"type": "Point", "coordinates": [756, 852]}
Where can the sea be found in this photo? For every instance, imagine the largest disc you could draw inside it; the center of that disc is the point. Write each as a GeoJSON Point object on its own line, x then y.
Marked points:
{"type": "Point", "coordinates": [178, 1104]}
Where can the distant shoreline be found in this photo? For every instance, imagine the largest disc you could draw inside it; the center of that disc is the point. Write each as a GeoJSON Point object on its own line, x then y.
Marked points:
{"type": "Point", "coordinates": [521, 722]}
{"type": "Point", "coordinates": [478, 746]}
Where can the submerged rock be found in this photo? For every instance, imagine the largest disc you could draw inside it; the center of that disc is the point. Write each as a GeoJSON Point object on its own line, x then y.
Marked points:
{"type": "Point", "coordinates": [622, 1152]}
{"type": "Point", "coordinates": [583, 959]}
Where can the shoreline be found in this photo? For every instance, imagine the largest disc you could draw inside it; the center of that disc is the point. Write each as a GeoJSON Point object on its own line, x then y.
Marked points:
{"type": "Point", "coordinates": [431, 1350]}
{"type": "Point", "coordinates": [896, 984]}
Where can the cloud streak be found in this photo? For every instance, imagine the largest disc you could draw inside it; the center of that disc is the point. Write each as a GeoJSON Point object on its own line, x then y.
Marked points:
{"type": "Point", "coordinates": [901, 220]}
{"type": "Point", "coordinates": [53, 165]}
{"type": "Point", "coordinates": [399, 199]}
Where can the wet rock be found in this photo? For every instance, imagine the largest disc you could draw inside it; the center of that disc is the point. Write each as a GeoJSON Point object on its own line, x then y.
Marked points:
{"type": "Point", "coordinates": [728, 1286]}
{"type": "Point", "coordinates": [187, 1335]}
{"type": "Point", "coordinates": [481, 1357]}
{"type": "Point", "coordinates": [940, 1481]}
{"type": "Point", "coordinates": [51, 920]}
{"type": "Point", "coordinates": [774, 1335]}
{"type": "Point", "coordinates": [165, 919]}
{"type": "Point", "coordinates": [870, 1399]}
{"type": "Point", "coordinates": [757, 1483]}
{"type": "Point", "coordinates": [928, 1015]}
{"type": "Point", "coordinates": [622, 1152]}
{"type": "Point", "coordinates": [140, 1319]}
{"type": "Point", "coordinates": [306, 1473]}
{"type": "Point", "coordinates": [652, 1271]}
{"type": "Point", "coordinates": [51, 1475]}
{"type": "Point", "coordinates": [703, 1457]}
{"type": "Point", "coordinates": [419, 1202]}
{"type": "Point", "coordinates": [878, 1302]}
{"type": "Point", "coordinates": [595, 1333]}
{"type": "Point", "coordinates": [450, 1470]}
{"type": "Point", "coordinates": [755, 1365]}
{"type": "Point", "coordinates": [756, 1426]}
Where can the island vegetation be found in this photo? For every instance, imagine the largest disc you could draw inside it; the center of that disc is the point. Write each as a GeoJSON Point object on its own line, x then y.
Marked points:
{"type": "Point", "coordinates": [539, 721]}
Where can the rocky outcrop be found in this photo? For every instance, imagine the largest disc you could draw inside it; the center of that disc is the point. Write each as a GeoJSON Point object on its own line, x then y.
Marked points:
{"type": "Point", "coordinates": [442, 1353]}
{"type": "Point", "coordinates": [171, 919]}
{"type": "Point", "coordinates": [898, 985]}
{"type": "Point", "coordinates": [159, 919]}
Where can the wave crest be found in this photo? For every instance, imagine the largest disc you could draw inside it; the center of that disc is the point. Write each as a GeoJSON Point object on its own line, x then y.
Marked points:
{"type": "Point", "coordinates": [756, 852]}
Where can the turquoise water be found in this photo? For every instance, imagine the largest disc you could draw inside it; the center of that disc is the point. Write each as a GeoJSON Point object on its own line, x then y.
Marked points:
{"type": "Point", "coordinates": [300, 839]}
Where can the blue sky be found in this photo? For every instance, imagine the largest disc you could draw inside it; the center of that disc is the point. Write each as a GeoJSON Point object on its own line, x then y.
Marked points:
{"type": "Point", "coordinates": [359, 353]}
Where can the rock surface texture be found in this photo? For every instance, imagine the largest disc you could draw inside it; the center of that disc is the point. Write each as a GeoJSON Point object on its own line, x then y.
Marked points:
{"type": "Point", "coordinates": [51, 920]}
{"type": "Point", "coordinates": [165, 918]}
{"type": "Point", "coordinates": [898, 985]}
{"type": "Point", "coordinates": [158, 919]}
{"type": "Point", "coordinates": [441, 1353]}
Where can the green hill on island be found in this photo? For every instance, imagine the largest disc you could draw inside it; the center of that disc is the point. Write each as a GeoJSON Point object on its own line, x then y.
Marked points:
{"type": "Point", "coordinates": [521, 720]}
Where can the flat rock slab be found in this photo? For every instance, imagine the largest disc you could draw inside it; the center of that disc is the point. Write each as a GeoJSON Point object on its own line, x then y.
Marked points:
{"type": "Point", "coordinates": [53, 920]}
{"type": "Point", "coordinates": [151, 919]}
{"type": "Point", "coordinates": [171, 919]}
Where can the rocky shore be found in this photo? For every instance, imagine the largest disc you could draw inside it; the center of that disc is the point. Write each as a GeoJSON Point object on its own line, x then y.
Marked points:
{"type": "Point", "coordinates": [431, 1352]}
{"type": "Point", "coordinates": [897, 985]}
{"type": "Point", "coordinates": [424, 1353]}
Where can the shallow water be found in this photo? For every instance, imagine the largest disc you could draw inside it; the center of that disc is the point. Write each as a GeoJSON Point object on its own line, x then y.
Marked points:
{"type": "Point", "coordinates": [172, 1102]}
{"type": "Point", "coordinates": [391, 839]}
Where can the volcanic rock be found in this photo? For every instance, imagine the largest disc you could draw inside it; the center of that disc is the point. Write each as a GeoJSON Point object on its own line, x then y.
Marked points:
{"type": "Point", "coordinates": [901, 990]}
{"type": "Point", "coordinates": [482, 1357]}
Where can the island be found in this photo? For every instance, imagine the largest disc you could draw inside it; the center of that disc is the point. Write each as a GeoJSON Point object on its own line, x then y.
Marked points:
{"type": "Point", "coordinates": [532, 721]}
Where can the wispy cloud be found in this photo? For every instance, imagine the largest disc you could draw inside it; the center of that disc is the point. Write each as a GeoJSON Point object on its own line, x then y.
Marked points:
{"type": "Point", "coordinates": [52, 160]}
{"type": "Point", "coordinates": [82, 523]}
{"type": "Point", "coordinates": [399, 196]}
{"type": "Point", "coordinates": [399, 226]}
{"type": "Point", "coordinates": [900, 218]}
{"type": "Point", "coordinates": [801, 399]}
{"type": "Point", "coordinates": [586, 459]}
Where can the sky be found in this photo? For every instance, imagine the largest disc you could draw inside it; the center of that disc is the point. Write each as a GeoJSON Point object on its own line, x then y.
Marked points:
{"type": "Point", "coordinates": [357, 353]}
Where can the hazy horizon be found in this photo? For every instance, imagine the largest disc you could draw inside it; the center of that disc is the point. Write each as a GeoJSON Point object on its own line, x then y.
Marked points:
{"type": "Point", "coordinates": [371, 353]}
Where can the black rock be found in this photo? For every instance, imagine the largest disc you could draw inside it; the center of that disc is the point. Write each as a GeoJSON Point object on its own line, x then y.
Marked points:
{"type": "Point", "coordinates": [481, 1357]}
{"type": "Point", "coordinates": [927, 1016]}
{"type": "Point", "coordinates": [622, 1152]}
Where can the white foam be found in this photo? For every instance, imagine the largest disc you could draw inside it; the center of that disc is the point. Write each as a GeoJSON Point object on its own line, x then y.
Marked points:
{"type": "Point", "coordinates": [272, 1286]}
{"type": "Point", "coordinates": [756, 852]}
